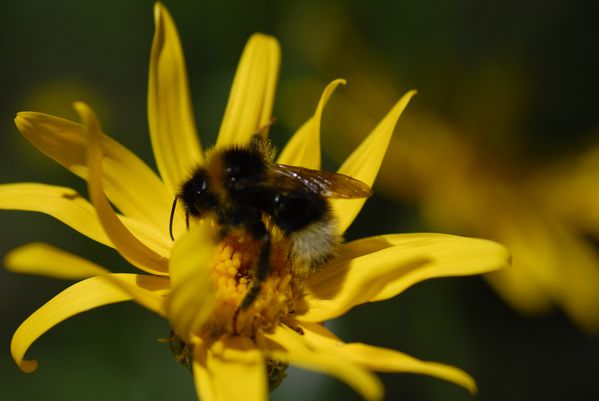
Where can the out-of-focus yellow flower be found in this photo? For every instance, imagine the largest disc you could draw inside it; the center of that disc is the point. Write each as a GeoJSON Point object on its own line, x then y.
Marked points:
{"type": "Point", "coordinates": [541, 216]}
{"type": "Point", "coordinates": [194, 282]}
{"type": "Point", "coordinates": [553, 263]}
{"type": "Point", "coordinates": [570, 191]}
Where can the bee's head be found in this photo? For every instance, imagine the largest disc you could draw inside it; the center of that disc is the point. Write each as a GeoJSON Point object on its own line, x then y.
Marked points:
{"type": "Point", "coordinates": [196, 194]}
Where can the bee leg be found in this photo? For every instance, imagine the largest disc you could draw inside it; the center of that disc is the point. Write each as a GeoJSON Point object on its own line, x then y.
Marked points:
{"type": "Point", "coordinates": [260, 233]}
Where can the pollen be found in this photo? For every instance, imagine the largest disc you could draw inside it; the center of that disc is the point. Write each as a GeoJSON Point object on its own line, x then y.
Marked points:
{"type": "Point", "coordinates": [233, 273]}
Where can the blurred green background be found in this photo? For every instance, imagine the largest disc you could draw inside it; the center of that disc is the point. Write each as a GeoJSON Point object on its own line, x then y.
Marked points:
{"type": "Point", "coordinates": [516, 77]}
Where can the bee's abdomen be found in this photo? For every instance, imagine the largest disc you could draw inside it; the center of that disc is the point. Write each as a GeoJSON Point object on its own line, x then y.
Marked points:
{"type": "Point", "coordinates": [306, 220]}
{"type": "Point", "coordinates": [314, 245]}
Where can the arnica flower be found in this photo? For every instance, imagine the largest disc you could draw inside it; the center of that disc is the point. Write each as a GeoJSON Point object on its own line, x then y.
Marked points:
{"type": "Point", "coordinates": [197, 282]}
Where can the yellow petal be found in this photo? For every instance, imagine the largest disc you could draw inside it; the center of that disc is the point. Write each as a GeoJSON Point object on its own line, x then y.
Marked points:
{"type": "Point", "coordinates": [192, 299]}
{"type": "Point", "coordinates": [520, 290]}
{"type": "Point", "coordinates": [233, 369]}
{"type": "Point", "coordinates": [557, 263]}
{"type": "Point", "coordinates": [386, 271]}
{"type": "Point", "coordinates": [579, 295]}
{"type": "Point", "coordinates": [46, 260]}
{"type": "Point", "coordinates": [131, 248]}
{"type": "Point", "coordinates": [289, 346]}
{"type": "Point", "coordinates": [303, 149]}
{"type": "Point", "coordinates": [342, 285]}
{"type": "Point", "coordinates": [206, 388]}
{"type": "Point", "coordinates": [61, 203]}
{"type": "Point", "coordinates": [569, 189]}
{"type": "Point", "coordinates": [249, 108]}
{"type": "Point", "coordinates": [170, 113]}
{"type": "Point", "coordinates": [158, 242]}
{"type": "Point", "coordinates": [80, 297]}
{"type": "Point", "coordinates": [129, 183]}
{"type": "Point", "coordinates": [69, 207]}
{"type": "Point", "coordinates": [148, 291]}
{"type": "Point", "coordinates": [364, 163]}
{"type": "Point", "coordinates": [384, 360]}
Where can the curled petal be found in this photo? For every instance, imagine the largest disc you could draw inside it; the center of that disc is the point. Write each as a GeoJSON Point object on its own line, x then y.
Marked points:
{"type": "Point", "coordinates": [303, 149]}
{"type": "Point", "coordinates": [129, 183]}
{"type": "Point", "coordinates": [192, 299]}
{"type": "Point", "coordinates": [80, 297]}
{"type": "Point", "coordinates": [391, 264]}
{"type": "Point", "coordinates": [170, 114]}
{"type": "Point", "coordinates": [130, 247]}
{"type": "Point", "coordinates": [230, 357]}
{"type": "Point", "coordinates": [364, 163]}
{"type": "Point", "coordinates": [385, 360]}
{"type": "Point", "coordinates": [249, 108]}
{"type": "Point", "coordinates": [289, 346]}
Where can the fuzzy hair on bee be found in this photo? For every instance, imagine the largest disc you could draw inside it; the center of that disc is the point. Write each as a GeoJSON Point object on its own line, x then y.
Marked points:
{"type": "Point", "coordinates": [241, 187]}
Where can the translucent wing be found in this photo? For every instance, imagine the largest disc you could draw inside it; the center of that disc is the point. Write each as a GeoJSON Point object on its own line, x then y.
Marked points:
{"type": "Point", "coordinates": [327, 184]}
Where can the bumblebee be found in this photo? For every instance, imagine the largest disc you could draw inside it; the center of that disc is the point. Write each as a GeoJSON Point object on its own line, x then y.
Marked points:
{"type": "Point", "coordinates": [241, 187]}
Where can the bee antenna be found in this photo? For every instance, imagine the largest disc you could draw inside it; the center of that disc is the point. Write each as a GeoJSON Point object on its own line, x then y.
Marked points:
{"type": "Point", "coordinates": [170, 224]}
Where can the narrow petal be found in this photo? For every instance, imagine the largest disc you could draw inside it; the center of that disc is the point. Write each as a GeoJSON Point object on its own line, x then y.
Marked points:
{"type": "Point", "coordinates": [364, 163]}
{"type": "Point", "coordinates": [148, 291]}
{"type": "Point", "coordinates": [129, 183]}
{"type": "Point", "coordinates": [384, 360]}
{"type": "Point", "coordinates": [131, 248]}
{"type": "Point", "coordinates": [45, 260]}
{"type": "Point", "coordinates": [386, 271]}
{"type": "Point", "coordinates": [170, 113]}
{"type": "Point", "coordinates": [233, 369]}
{"type": "Point", "coordinates": [342, 285]}
{"type": "Point", "coordinates": [192, 299]}
{"type": "Point", "coordinates": [289, 346]}
{"type": "Point", "coordinates": [303, 149]}
{"type": "Point", "coordinates": [249, 108]}
{"type": "Point", "coordinates": [80, 297]}
{"type": "Point", "coordinates": [64, 204]}
{"type": "Point", "coordinates": [69, 207]}
{"type": "Point", "coordinates": [206, 388]}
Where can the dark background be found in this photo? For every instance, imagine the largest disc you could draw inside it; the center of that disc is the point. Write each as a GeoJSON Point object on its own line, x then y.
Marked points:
{"type": "Point", "coordinates": [465, 57]}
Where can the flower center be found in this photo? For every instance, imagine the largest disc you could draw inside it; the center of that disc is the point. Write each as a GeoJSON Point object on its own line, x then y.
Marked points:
{"type": "Point", "coordinates": [280, 296]}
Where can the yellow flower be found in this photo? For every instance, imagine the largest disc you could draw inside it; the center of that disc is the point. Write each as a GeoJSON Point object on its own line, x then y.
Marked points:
{"type": "Point", "coordinates": [546, 215]}
{"type": "Point", "coordinates": [196, 282]}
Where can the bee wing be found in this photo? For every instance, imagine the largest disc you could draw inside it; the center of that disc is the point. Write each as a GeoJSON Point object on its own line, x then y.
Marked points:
{"type": "Point", "coordinates": [327, 184]}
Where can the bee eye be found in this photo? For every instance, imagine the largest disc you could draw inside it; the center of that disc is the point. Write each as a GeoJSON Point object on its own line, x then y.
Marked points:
{"type": "Point", "coordinates": [197, 185]}
{"type": "Point", "coordinates": [200, 186]}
